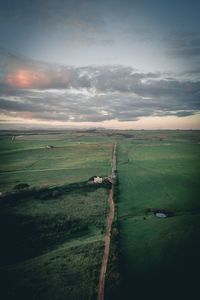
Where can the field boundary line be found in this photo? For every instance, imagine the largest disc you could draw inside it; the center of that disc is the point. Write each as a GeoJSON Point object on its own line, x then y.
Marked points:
{"type": "Point", "coordinates": [111, 215]}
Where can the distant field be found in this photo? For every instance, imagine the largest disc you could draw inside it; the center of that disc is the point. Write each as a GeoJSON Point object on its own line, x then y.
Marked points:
{"type": "Point", "coordinates": [160, 256]}
{"type": "Point", "coordinates": [28, 160]}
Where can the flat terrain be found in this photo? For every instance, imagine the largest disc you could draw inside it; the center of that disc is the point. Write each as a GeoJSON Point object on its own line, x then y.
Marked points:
{"type": "Point", "coordinates": [160, 257]}
{"type": "Point", "coordinates": [27, 159]}
{"type": "Point", "coordinates": [52, 239]}
{"type": "Point", "coordinates": [52, 242]}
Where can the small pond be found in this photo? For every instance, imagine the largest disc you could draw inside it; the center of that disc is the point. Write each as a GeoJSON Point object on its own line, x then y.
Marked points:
{"type": "Point", "coordinates": [161, 215]}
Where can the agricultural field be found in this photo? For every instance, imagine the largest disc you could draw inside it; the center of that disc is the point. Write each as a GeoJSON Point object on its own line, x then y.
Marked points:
{"type": "Point", "coordinates": [52, 238]}
{"type": "Point", "coordinates": [52, 233]}
{"type": "Point", "coordinates": [159, 256]}
{"type": "Point", "coordinates": [27, 159]}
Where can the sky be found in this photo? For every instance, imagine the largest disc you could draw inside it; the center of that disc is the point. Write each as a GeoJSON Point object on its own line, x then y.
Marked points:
{"type": "Point", "coordinates": [110, 63]}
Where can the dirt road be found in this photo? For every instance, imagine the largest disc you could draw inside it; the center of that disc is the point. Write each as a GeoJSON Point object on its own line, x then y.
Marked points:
{"type": "Point", "coordinates": [108, 232]}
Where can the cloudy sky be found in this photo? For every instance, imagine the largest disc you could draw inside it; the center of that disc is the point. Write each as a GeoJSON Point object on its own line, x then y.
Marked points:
{"type": "Point", "coordinates": [109, 63]}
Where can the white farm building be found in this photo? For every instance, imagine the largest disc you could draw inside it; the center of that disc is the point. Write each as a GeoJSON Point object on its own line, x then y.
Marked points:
{"type": "Point", "coordinates": [98, 179]}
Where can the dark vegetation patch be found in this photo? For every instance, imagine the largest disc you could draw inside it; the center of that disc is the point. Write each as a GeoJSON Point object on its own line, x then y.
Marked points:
{"type": "Point", "coordinates": [113, 276]}
{"type": "Point", "coordinates": [24, 237]}
{"type": "Point", "coordinates": [69, 272]}
{"type": "Point", "coordinates": [21, 186]}
{"type": "Point", "coordinates": [30, 226]}
{"type": "Point", "coordinates": [52, 245]}
{"type": "Point", "coordinates": [46, 193]}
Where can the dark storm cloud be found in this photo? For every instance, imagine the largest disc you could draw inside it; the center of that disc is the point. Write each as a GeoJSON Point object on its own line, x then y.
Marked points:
{"type": "Point", "coordinates": [91, 93]}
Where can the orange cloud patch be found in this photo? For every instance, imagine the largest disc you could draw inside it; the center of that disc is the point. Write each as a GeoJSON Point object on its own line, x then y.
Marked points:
{"type": "Point", "coordinates": [27, 79]}
{"type": "Point", "coordinates": [26, 115]}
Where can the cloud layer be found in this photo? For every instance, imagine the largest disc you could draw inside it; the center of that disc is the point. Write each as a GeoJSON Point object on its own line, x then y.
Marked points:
{"type": "Point", "coordinates": [38, 91]}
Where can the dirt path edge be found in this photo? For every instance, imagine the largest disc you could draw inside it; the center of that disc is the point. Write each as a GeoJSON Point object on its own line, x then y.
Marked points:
{"type": "Point", "coordinates": [111, 215]}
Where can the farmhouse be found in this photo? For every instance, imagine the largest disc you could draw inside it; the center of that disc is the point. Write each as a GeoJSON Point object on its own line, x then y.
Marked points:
{"type": "Point", "coordinates": [49, 147]}
{"type": "Point", "coordinates": [98, 179]}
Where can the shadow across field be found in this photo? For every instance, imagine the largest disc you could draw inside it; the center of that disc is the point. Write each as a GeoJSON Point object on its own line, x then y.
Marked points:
{"type": "Point", "coordinates": [50, 239]}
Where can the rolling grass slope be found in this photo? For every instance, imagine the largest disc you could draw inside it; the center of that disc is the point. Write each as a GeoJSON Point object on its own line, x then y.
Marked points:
{"type": "Point", "coordinates": [52, 248]}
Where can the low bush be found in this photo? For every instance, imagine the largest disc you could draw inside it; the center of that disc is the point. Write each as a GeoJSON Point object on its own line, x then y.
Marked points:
{"type": "Point", "coordinates": [21, 186]}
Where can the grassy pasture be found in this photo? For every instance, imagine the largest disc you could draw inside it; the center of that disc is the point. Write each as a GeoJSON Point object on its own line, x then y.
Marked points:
{"type": "Point", "coordinates": [159, 176]}
{"type": "Point", "coordinates": [52, 248]}
{"type": "Point", "coordinates": [160, 257]}
{"type": "Point", "coordinates": [68, 272]}
{"type": "Point", "coordinates": [28, 160]}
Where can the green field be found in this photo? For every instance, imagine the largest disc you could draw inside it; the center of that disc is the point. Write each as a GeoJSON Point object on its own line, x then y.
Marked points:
{"type": "Point", "coordinates": [160, 257]}
{"type": "Point", "coordinates": [27, 159]}
{"type": "Point", "coordinates": [52, 236]}
{"type": "Point", "coordinates": [51, 248]}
